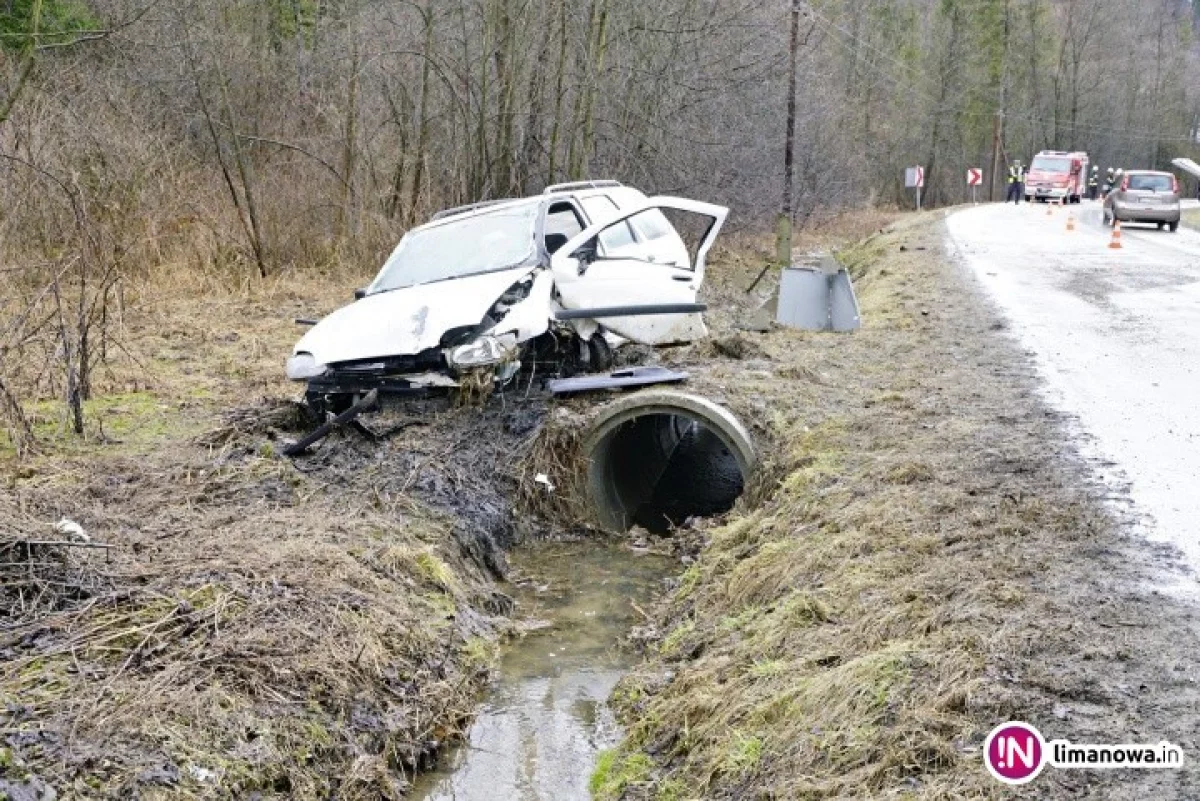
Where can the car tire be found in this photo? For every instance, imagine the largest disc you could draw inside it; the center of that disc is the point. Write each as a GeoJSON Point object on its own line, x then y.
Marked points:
{"type": "Point", "coordinates": [1174, 226]}
{"type": "Point", "coordinates": [600, 352]}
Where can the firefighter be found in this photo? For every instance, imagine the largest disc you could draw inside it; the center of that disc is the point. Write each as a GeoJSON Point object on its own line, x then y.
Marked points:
{"type": "Point", "coordinates": [1094, 182]}
{"type": "Point", "coordinates": [1016, 183]}
{"type": "Point", "coordinates": [1108, 181]}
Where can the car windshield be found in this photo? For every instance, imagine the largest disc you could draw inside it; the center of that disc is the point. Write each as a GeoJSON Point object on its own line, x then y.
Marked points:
{"type": "Point", "coordinates": [1153, 183]}
{"type": "Point", "coordinates": [477, 244]}
{"type": "Point", "coordinates": [1044, 164]}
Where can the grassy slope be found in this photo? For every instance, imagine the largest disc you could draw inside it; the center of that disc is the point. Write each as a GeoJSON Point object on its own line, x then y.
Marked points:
{"type": "Point", "coordinates": [258, 628]}
{"type": "Point", "coordinates": [1192, 218]}
{"type": "Point", "coordinates": [895, 593]}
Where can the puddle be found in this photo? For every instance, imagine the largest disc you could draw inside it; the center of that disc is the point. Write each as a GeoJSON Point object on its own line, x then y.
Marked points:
{"type": "Point", "coordinates": [545, 718]}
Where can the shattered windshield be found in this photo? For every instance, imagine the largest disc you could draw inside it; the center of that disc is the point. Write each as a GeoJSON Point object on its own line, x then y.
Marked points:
{"type": "Point", "coordinates": [477, 244]}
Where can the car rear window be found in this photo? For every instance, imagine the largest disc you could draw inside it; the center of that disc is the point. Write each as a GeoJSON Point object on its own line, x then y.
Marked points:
{"type": "Point", "coordinates": [1151, 183]}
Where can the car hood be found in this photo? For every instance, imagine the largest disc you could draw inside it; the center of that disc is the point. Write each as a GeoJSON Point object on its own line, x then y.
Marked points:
{"type": "Point", "coordinates": [405, 322]}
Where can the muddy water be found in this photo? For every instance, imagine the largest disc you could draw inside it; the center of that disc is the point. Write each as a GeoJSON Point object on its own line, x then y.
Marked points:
{"type": "Point", "coordinates": [546, 717]}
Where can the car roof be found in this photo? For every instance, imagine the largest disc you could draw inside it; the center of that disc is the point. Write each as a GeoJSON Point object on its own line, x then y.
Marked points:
{"type": "Point", "coordinates": [627, 195]}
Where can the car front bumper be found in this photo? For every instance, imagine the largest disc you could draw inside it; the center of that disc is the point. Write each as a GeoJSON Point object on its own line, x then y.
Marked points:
{"type": "Point", "coordinates": [1050, 192]}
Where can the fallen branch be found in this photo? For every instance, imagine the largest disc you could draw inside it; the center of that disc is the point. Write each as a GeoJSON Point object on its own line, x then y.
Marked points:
{"type": "Point", "coordinates": [65, 543]}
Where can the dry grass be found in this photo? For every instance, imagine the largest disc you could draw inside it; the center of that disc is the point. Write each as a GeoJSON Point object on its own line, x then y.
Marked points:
{"type": "Point", "coordinates": [851, 631]}
{"type": "Point", "coordinates": [1191, 218]}
{"type": "Point", "coordinates": [897, 588]}
{"type": "Point", "coordinates": [257, 628]}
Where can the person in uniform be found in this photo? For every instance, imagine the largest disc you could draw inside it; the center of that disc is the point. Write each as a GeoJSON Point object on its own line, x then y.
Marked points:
{"type": "Point", "coordinates": [1016, 183]}
{"type": "Point", "coordinates": [1094, 182]}
{"type": "Point", "coordinates": [1108, 181]}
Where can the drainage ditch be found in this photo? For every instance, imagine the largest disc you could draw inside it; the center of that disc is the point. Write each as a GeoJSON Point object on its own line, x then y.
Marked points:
{"type": "Point", "coordinates": [653, 459]}
{"type": "Point", "coordinates": [546, 716]}
{"type": "Point", "coordinates": [657, 458]}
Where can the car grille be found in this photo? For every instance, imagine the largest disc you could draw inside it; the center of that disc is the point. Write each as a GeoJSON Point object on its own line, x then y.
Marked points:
{"type": "Point", "coordinates": [391, 365]}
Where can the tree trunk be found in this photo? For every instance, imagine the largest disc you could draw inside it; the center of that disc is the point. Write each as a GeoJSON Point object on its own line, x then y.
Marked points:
{"type": "Point", "coordinates": [783, 242]}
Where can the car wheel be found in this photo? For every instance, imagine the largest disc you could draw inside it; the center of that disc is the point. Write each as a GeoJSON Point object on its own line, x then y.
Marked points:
{"type": "Point", "coordinates": [1161, 226]}
{"type": "Point", "coordinates": [601, 353]}
{"type": "Point", "coordinates": [1174, 226]}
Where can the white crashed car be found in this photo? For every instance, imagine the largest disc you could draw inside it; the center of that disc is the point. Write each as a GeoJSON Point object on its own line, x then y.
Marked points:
{"type": "Point", "coordinates": [546, 284]}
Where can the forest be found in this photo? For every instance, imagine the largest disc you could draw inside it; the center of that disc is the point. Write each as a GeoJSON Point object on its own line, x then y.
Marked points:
{"type": "Point", "coordinates": [249, 138]}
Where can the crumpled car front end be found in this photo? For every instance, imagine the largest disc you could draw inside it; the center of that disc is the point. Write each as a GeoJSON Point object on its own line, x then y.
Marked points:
{"type": "Point", "coordinates": [425, 337]}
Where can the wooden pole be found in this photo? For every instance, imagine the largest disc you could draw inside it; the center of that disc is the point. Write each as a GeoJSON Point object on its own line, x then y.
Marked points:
{"type": "Point", "coordinates": [783, 242]}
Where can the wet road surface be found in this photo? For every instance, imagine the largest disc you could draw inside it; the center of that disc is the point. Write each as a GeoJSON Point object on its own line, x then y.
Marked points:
{"type": "Point", "coordinates": [1116, 335]}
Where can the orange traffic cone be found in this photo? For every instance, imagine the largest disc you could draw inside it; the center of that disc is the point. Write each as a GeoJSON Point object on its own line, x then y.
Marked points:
{"type": "Point", "coordinates": [1070, 220]}
{"type": "Point", "coordinates": [1115, 242]}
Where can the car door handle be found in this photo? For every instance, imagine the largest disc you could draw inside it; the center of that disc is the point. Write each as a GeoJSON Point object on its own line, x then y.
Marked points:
{"type": "Point", "coordinates": [681, 277]}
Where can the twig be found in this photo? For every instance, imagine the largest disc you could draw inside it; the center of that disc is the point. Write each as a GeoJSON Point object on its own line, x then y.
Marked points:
{"type": "Point", "coordinates": [65, 543]}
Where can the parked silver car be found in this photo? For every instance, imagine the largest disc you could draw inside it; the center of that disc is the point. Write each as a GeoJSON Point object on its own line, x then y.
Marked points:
{"type": "Point", "coordinates": [1144, 196]}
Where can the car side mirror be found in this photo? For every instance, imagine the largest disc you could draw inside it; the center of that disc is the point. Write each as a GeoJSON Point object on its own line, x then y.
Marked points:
{"type": "Point", "coordinates": [359, 294]}
{"type": "Point", "coordinates": [586, 253]}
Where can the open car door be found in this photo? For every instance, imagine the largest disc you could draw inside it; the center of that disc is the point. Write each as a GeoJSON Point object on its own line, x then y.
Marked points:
{"type": "Point", "coordinates": [642, 291]}
{"type": "Point", "coordinates": [1188, 166]}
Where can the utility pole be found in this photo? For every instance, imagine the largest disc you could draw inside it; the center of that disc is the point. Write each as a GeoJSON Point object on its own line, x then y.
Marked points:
{"type": "Point", "coordinates": [783, 242]}
{"type": "Point", "coordinates": [997, 136]}
{"type": "Point", "coordinates": [998, 125]}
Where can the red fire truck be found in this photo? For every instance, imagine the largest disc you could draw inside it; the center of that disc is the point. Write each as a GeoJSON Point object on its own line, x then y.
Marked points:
{"type": "Point", "coordinates": [1057, 175]}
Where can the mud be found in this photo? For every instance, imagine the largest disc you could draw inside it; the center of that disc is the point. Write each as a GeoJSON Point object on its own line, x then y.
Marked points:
{"type": "Point", "coordinates": [459, 461]}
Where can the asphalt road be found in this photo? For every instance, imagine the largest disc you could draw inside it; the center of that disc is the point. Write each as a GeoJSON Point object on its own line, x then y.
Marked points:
{"type": "Point", "coordinates": [1116, 335]}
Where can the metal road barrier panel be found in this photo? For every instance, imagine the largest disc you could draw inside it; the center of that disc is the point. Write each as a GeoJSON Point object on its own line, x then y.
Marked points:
{"type": "Point", "coordinates": [818, 298]}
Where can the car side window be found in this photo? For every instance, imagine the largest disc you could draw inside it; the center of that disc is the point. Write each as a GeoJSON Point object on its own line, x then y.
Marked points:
{"type": "Point", "coordinates": [561, 218]}
{"type": "Point", "coordinates": [652, 224]}
{"type": "Point", "coordinates": [615, 237]}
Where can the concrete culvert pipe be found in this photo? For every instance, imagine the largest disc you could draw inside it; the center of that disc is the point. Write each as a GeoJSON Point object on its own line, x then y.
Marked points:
{"type": "Point", "coordinates": [658, 457]}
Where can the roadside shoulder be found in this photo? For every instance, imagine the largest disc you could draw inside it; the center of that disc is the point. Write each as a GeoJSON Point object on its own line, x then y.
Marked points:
{"type": "Point", "coordinates": [934, 560]}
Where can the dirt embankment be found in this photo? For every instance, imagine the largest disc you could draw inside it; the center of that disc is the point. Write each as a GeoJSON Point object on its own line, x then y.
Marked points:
{"type": "Point", "coordinates": [261, 628]}
{"type": "Point", "coordinates": [929, 559]}
{"type": "Point", "coordinates": [300, 631]}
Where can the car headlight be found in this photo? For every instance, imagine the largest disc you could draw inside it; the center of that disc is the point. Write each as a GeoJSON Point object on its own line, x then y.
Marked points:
{"type": "Point", "coordinates": [483, 351]}
{"type": "Point", "coordinates": [303, 366]}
